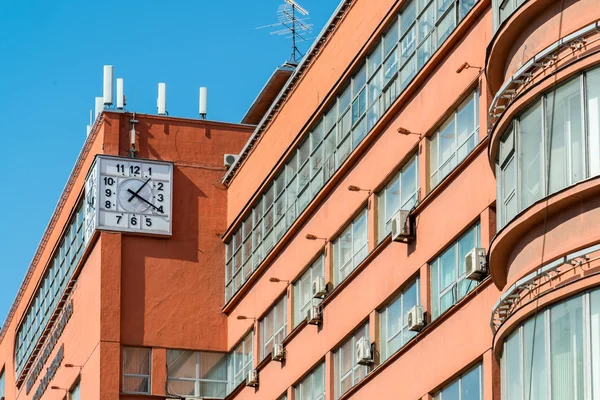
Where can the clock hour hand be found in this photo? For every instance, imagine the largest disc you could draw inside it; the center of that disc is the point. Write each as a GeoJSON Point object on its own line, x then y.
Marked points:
{"type": "Point", "coordinates": [134, 194]}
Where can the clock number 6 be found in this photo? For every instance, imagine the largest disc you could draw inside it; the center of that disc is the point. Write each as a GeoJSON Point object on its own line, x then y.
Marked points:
{"type": "Point", "coordinates": [134, 221]}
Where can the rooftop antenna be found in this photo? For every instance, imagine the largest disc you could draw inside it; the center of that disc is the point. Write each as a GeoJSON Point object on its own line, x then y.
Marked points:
{"type": "Point", "coordinates": [99, 106]}
{"type": "Point", "coordinates": [107, 93]}
{"type": "Point", "coordinates": [291, 26]}
{"type": "Point", "coordinates": [161, 102]}
{"type": "Point", "coordinates": [120, 94]}
{"type": "Point", "coordinates": [89, 127]}
{"type": "Point", "coordinates": [203, 100]}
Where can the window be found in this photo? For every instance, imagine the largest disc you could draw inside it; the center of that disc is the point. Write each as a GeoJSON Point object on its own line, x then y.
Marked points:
{"type": "Point", "coordinates": [448, 280]}
{"type": "Point", "coordinates": [395, 59]}
{"type": "Point", "coordinates": [75, 392]}
{"type": "Point", "coordinates": [312, 387]}
{"type": "Point", "coordinates": [197, 373]}
{"type": "Point", "coordinates": [303, 298]}
{"type": "Point", "coordinates": [555, 354]}
{"type": "Point", "coordinates": [2, 384]}
{"type": "Point", "coordinates": [400, 194]}
{"type": "Point", "coordinates": [394, 320]}
{"type": "Point", "coordinates": [273, 327]}
{"type": "Point", "coordinates": [51, 288]}
{"type": "Point", "coordinates": [136, 369]}
{"type": "Point", "coordinates": [350, 248]}
{"type": "Point", "coordinates": [347, 372]}
{"type": "Point", "coordinates": [240, 360]}
{"type": "Point", "coordinates": [546, 150]}
{"type": "Point", "coordinates": [504, 9]}
{"type": "Point", "coordinates": [455, 139]}
{"type": "Point", "coordinates": [467, 387]}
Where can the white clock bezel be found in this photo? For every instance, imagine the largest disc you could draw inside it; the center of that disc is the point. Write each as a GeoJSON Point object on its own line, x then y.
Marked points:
{"type": "Point", "coordinates": [99, 210]}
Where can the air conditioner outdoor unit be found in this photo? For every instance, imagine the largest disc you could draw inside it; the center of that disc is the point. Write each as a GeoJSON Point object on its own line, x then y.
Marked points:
{"type": "Point", "coordinates": [252, 378]}
{"type": "Point", "coordinates": [364, 355]}
{"type": "Point", "coordinates": [402, 227]}
{"type": "Point", "coordinates": [229, 159]}
{"type": "Point", "coordinates": [319, 287]}
{"type": "Point", "coordinates": [476, 264]}
{"type": "Point", "coordinates": [278, 353]}
{"type": "Point", "coordinates": [416, 319]}
{"type": "Point", "coordinates": [313, 315]}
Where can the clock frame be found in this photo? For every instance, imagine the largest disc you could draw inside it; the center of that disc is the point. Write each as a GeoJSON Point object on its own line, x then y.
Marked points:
{"type": "Point", "coordinates": [129, 195]}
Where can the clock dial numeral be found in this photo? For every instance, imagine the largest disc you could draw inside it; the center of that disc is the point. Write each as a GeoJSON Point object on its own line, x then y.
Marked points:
{"type": "Point", "coordinates": [134, 170]}
{"type": "Point", "coordinates": [160, 197]}
{"type": "Point", "coordinates": [119, 218]}
{"type": "Point", "coordinates": [148, 222]}
{"type": "Point", "coordinates": [108, 181]}
{"type": "Point", "coordinates": [160, 186]}
{"type": "Point", "coordinates": [121, 168]}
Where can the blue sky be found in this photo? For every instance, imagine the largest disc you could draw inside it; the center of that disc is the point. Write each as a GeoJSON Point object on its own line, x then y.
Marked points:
{"type": "Point", "coordinates": [51, 59]}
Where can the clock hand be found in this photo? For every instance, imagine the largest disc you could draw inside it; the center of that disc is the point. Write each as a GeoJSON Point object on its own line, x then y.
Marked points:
{"type": "Point", "coordinates": [134, 194]}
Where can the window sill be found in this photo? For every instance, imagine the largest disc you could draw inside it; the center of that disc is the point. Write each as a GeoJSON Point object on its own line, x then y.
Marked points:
{"type": "Point", "coordinates": [431, 326]}
{"type": "Point", "coordinates": [294, 332]}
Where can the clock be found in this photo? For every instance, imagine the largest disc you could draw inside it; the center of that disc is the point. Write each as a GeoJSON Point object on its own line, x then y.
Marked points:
{"type": "Point", "coordinates": [130, 195]}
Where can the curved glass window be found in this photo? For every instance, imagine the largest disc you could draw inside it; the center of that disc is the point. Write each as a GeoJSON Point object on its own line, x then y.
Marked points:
{"type": "Point", "coordinates": [553, 144]}
{"type": "Point", "coordinates": [556, 354]}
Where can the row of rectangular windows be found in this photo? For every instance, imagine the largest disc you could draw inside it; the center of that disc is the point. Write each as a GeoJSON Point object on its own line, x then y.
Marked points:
{"type": "Point", "coordinates": [448, 285]}
{"type": "Point", "coordinates": [51, 289]}
{"type": "Point", "coordinates": [405, 47]}
{"type": "Point", "coordinates": [209, 375]}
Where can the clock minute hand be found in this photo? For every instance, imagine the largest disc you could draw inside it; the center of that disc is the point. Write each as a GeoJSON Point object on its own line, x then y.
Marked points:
{"type": "Point", "coordinates": [134, 194]}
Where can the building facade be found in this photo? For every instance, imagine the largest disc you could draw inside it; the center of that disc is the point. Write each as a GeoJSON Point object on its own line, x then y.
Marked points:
{"type": "Point", "coordinates": [412, 217]}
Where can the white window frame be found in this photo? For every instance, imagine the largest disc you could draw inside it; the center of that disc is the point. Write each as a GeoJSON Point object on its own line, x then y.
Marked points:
{"type": "Point", "coordinates": [279, 327]}
{"type": "Point", "coordinates": [436, 298]}
{"type": "Point", "coordinates": [355, 258]}
{"type": "Point", "coordinates": [238, 376]}
{"type": "Point", "coordinates": [308, 384]}
{"type": "Point", "coordinates": [198, 380]}
{"type": "Point", "coordinates": [363, 331]}
{"type": "Point", "coordinates": [138, 376]}
{"type": "Point", "coordinates": [383, 197]}
{"type": "Point", "coordinates": [479, 368]}
{"type": "Point", "coordinates": [386, 352]}
{"type": "Point", "coordinates": [304, 283]}
{"type": "Point", "coordinates": [436, 177]}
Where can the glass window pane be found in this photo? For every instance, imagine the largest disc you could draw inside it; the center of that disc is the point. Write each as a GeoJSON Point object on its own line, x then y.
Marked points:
{"type": "Point", "coordinates": [531, 157]}
{"type": "Point", "coordinates": [512, 353]}
{"type": "Point", "coordinates": [566, 335]}
{"type": "Point", "coordinates": [375, 59]}
{"type": "Point", "coordinates": [593, 119]}
{"type": "Point", "coordinates": [407, 17]}
{"type": "Point", "coordinates": [471, 385]}
{"type": "Point", "coordinates": [595, 340]}
{"type": "Point", "coordinates": [448, 268]}
{"type": "Point", "coordinates": [447, 24]}
{"type": "Point", "coordinates": [565, 135]}
{"type": "Point", "coordinates": [534, 369]}
{"type": "Point", "coordinates": [451, 392]}
{"type": "Point", "coordinates": [391, 38]}
{"type": "Point", "coordinates": [409, 185]}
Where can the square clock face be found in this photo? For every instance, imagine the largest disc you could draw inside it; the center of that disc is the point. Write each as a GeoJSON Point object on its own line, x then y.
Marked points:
{"type": "Point", "coordinates": [129, 195]}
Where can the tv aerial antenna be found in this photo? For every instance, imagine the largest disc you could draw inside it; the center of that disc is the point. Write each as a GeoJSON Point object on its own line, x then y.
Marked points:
{"type": "Point", "coordinates": [292, 18]}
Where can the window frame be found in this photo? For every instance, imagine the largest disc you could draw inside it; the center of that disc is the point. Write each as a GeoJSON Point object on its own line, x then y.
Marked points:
{"type": "Point", "coordinates": [355, 257]}
{"type": "Point", "coordinates": [278, 328]}
{"type": "Point", "coordinates": [436, 297]}
{"type": "Point", "coordinates": [311, 376]}
{"type": "Point", "coordinates": [312, 272]}
{"type": "Point", "coordinates": [198, 379]}
{"type": "Point", "coordinates": [439, 395]}
{"type": "Point", "coordinates": [125, 375]}
{"type": "Point", "coordinates": [384, 316]}
{"type": "Point", "coordinates": [338, 356]}
{"type": "Point", "coordinates": [436, 176]}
